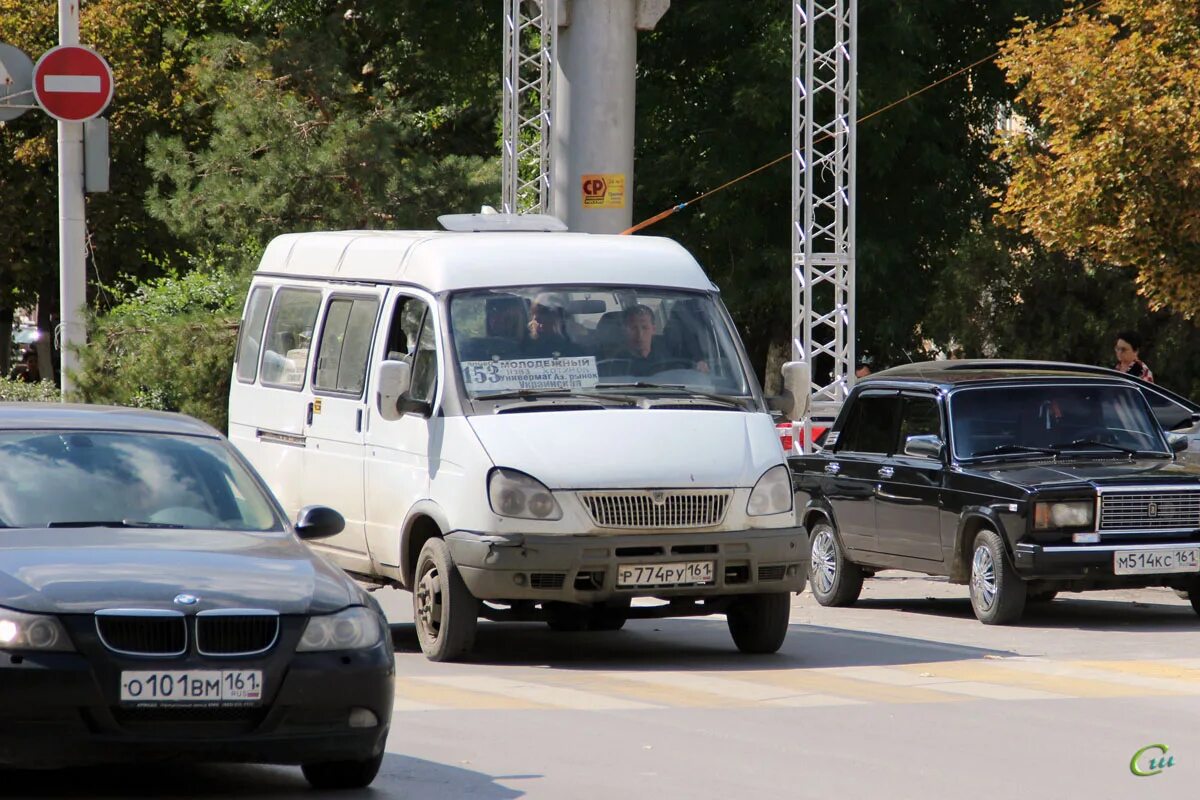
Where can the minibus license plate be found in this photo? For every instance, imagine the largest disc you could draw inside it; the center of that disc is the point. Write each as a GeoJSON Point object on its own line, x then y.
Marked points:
{"type": "Point", "coordinates": [192, 686]}
{"type": "Point", "coordinates": [689, 572]}
{"type": "Point", "coordinates": [1142, 562]}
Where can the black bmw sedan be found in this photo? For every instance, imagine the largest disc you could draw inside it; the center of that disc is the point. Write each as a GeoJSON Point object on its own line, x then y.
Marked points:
{"type": "Point", "coordinates": [155, 603]}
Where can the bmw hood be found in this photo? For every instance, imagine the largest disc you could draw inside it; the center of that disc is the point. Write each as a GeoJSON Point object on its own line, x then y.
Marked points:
{"type": "Point", "coordinates": [78, 571]}
{"type": "Point", "coordinates": [633, 448]}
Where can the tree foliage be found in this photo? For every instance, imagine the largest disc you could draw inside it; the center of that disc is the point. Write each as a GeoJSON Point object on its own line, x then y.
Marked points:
{"type": "Point", "coordinates": [1110, 168]}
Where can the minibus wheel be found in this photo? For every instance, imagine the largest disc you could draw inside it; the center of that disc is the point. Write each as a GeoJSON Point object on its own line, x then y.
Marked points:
{"type": "Point", "coordinates": [759, 622]}
{"type": "Point", "coordinates": [445, 611]}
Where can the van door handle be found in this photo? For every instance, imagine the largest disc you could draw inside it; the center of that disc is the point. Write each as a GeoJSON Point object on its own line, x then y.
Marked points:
{"type": "Point", "coordinates": [358, 422]}
{"type": "Point", "coordinates": [833, 468]}
{"type": "Point", "coordinates": [886, 472]}
{"type": "Point", "coordinates": [310, 413]}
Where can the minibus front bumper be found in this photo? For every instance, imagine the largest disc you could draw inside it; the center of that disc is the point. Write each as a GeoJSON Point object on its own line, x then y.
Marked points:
{"type": "Point", "coordinates": [591, 568]}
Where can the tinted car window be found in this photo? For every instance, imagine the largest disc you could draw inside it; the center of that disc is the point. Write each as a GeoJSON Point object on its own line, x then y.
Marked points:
{"type": "Point", "coordinates": [919, 418]}
{"type": "Point", "coordinates": [1051, 416]}
{"type": "Point", "coordinates": [63, 477]}
{"type": "Point", "coordinates": [871, 427]}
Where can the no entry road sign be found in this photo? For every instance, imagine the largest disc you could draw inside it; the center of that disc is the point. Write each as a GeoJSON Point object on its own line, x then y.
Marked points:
{"type": "Point", "coordinates": [72, 83]}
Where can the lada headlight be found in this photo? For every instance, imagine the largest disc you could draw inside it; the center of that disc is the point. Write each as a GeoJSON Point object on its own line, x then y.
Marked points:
{"type": "Point", "coordinates": [21, 631]}
{"type": "Point", "coordinates": [356, 628]}
{"type": "Point", "coordinates": [1064, 514]}
{"type": "Point", "coordinates": [772, 494]}
{"type": "Point", "coordinates": [515, 494]}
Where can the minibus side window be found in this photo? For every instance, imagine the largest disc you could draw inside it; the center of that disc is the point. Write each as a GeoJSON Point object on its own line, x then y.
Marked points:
{"type": "Point", "coordinates": [346, 337]}
{"type": "Point", "coordinates": [289, 337]}
{"type": "Point", "coordinates": [250, 337]}
{"type": "Point", "coordinates": [411, 338]}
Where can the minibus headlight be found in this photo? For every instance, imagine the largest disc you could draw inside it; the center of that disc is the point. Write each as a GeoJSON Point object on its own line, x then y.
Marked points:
{"type": "Point", "coordinates": [772, 494]}
{"type": "Point", "coordinates": [21, 631]}
{"type": "Point", "coordinates": [1072, 514]}
{"type": "Point", "coordinates": [515, 494]}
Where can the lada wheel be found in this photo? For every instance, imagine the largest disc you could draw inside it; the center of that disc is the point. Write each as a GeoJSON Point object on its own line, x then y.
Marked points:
{"type": "Point", "coordinates": [833, 579]}
{"type": "Point", "coordinates": [342, 774]}
{"type": "Point", "coordinates": [445, 612]}
{"type": "Point", "coordinates": [997, 593]}
{"type": "Point", "coordinates": [759, 622]}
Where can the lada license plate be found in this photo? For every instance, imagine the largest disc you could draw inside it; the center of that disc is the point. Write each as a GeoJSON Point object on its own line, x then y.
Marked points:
{"type": "Point", "coordinates": [192, 686]}
{"type": "Point", "coordinates": [689, 572]}
{"type": "Point", "coordinates": [1143, 562]}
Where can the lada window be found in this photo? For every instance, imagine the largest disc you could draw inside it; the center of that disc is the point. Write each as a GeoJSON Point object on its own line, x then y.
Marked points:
{"type": "Point", "coordinates": [1053, 420]}
{"type": "Point", "coordinates": [594, 340]}
{"type": "Point", "coordinates": [871, 427]}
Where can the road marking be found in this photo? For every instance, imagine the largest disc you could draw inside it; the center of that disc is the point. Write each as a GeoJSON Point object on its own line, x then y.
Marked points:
{"type": "Point", "coordinates": [423, 694]}
{"type": "Point", "coordinates": [536, 694]}
{"type": "Point", "coordinates": [832, 682]}
{"type": "Point", "coordinates": [86, 84]}
{"type": "Point", "coordinates": [1015, 678]}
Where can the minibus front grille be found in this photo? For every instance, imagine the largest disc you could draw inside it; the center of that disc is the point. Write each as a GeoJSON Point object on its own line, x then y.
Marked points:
{"type": "Point", "coordinates": [657, 509]}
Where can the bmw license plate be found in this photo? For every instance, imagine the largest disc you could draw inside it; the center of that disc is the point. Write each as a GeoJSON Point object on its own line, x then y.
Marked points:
{"type": "Point", "coordinates": [192, 686]}
{"type": "Point", "coordinates": [648, 575]}
{"type": "Point", "coordinates": [1148, 562]}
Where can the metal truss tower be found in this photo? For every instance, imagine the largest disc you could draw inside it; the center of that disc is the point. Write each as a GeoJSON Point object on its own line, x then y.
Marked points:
{"type": "Point", "coordinates": [824, 93]}
{"type": "Point", "coordinates": [530, 34]}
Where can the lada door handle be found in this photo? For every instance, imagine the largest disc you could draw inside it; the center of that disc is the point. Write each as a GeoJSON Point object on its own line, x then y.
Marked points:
{"type": "Point", "coordinates": [833, 468]}
{"type": "Point", "coordinates": [886, 472]}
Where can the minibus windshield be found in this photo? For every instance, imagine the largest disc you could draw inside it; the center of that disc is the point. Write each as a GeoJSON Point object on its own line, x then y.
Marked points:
{"type": "Point", "coordinates": [594, 340]}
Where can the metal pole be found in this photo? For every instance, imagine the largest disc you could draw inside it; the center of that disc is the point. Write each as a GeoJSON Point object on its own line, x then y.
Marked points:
{"type": "Point", "coordinates": [72, 254]}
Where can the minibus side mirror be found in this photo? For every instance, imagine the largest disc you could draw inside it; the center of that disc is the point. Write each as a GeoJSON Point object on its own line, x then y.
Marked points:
{"type": "Point", "coordinates": [395, 379]}
{"type": "Point", "coordinates": [797, 391]}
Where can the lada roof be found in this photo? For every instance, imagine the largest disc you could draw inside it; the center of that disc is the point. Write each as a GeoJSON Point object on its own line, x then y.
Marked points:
{"type": "Point", "coordinates": [950, 374]}
{"type": "Point", "coordinates": [441, 261]}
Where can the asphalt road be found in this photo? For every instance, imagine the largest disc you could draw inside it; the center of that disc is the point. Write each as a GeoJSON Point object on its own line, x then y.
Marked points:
{"type": "Point", "coordinates": [904, 695]}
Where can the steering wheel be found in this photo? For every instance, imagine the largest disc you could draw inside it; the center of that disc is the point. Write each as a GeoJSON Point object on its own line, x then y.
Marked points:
{"type": "Point", "coordinates": [1096, 434]}
{"type": "Point", "coordinates": [674, 363]}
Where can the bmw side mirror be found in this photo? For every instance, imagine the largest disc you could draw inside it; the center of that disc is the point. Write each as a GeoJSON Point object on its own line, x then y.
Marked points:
{"type": "Point", "coordinates": [395, 379]}
{"type": "Point", "coordinates": [318, 522]}
{"type": "Point", "coordinates": [1178, 442]}
{"type": "Point", "coordinates": [927, 446]}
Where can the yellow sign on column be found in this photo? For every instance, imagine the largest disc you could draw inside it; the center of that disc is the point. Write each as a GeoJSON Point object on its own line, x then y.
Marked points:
{"type": "Point", "coordinates": [604, 190]}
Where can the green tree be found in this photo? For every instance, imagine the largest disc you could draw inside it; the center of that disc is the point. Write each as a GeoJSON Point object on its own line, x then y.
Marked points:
{"type": "Point", "coordinates": [1109, 170]}
{"type": "Point", "coordinates": [298, 143]}
{"type": "Point", "coordinates": [714, 102]}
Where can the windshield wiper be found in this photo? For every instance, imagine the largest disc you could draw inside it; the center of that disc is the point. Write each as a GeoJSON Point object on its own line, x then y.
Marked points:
{"type": "Point", "coordinates": [1094, 443]}
{"type": "Point", "coordinates": [528, 394]}
{"type": "Point", "coordinates": [111, 523]}
{"type": "Point", "coordinates": [1001, 449]}
{"type": "Point", "coordinates": [678, 388]}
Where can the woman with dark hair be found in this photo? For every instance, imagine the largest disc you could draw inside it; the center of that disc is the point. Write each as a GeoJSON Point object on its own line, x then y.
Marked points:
{"type": "Point", "coordinates": [1126, 349]}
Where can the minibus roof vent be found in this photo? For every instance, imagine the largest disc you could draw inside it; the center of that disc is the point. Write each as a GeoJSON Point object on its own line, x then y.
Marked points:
{"type": "Point", "coordinates": [490, 220]}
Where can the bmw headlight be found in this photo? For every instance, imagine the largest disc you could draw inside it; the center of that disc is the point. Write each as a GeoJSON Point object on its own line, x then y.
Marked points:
{"type": "Point", "coordinates": [515, 494]}
{"type": "Point", "coordinates": [1070, 514]}
{"type": "Point", "coordinates": [772, 494]}
{"type": "Point", "coordinates": [355, 628]}
{"type": "Point", "coordinates": [21, 631]}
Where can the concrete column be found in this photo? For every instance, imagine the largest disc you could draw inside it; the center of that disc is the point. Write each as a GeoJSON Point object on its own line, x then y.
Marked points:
{"type": "Point", "coordinates": [72, 251]}
{"type": "Point", "coordinates": [594, 111]}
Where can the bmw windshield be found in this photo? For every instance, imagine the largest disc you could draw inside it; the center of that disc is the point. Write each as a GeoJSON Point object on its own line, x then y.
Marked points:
{"type": "Point", "coordinates": [600, 343]}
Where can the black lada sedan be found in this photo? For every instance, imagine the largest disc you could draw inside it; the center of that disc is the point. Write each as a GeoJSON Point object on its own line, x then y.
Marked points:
{"type": "Point", "coordinates": [1020, 483]}
{"type": "Point", "coordinates": [156, 604]}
